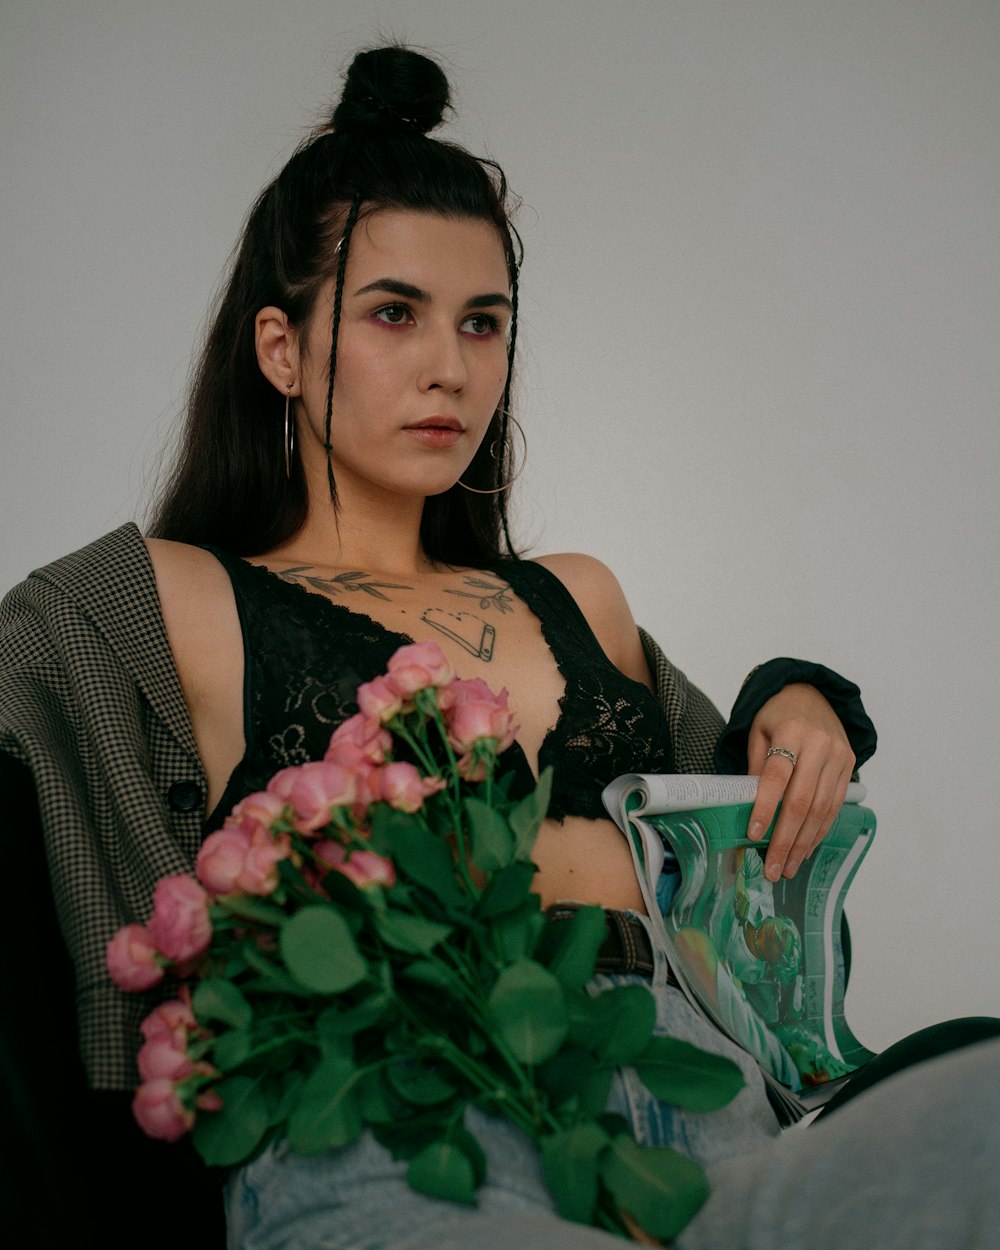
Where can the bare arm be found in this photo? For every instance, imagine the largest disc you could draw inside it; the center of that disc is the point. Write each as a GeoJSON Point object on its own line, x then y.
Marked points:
{"type": "Point", "coordinates": [203, 630]}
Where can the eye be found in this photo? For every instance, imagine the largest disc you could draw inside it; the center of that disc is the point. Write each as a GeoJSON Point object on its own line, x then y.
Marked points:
{"type": "Point", "coordinates": [393, 314]}
{"type": "Point", "coordinates": [481, 325]}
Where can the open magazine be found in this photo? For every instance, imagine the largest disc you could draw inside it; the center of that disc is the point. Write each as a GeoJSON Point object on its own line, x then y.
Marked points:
{"type": "Point", "coordinates": [762, 960]}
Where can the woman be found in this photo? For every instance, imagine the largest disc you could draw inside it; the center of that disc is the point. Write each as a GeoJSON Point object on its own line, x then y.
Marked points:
{"type": "Point", "coordinates": [343, 484]}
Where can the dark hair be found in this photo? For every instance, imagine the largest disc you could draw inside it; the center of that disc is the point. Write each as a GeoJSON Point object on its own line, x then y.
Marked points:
{"type": "Point", "coordinates": [229, 485]}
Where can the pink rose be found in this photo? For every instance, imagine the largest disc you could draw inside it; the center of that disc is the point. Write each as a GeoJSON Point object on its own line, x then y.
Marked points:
{"type": "Point", "coordinates": [209, 1100]}
{"type": "Point", "coordinates": [379, 701]}
{"type": "Point", "coordinates": [260, 810]}
{"type": "Point", "coordinates": [416, 666]}
{"type": "Point", "coordinates": [359, 743]}
{"type": "Point", "coordinates": [363, 868]}
{"type": "Point", "coordinates": [314, 790]}
{"type": "Point", "coordinates": [173, 1018]}
{"type": "Point", "coordinates": [237, 860]}
{"type": "Point", "coordinates": [162, 1057]}
{"type": "Point", "coordinates": [131, 958]}
{"type": "Point", "coordinates": [402, 787]}
{"type": "Point", "coordinates": [180, 925]}
{"type": "Point", "coordinates": [477, 714]}
{"type": "Point", "coordinates": [159, 1111]}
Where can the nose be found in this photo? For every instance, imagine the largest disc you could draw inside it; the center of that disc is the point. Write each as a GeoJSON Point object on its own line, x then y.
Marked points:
{"type": "Point", "coordinates": [443, 365]}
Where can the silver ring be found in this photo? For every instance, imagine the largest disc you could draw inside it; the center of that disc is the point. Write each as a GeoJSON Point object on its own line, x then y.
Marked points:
{"type": "Point", "coordinates": [784, 751]}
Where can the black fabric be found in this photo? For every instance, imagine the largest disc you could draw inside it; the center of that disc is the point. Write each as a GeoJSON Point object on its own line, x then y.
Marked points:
{"type": "Point", "coordinates": [928, 1043]}
{"type": "Point", "coordinates": [75, 1170]}
{"type": "Point", "coordinates": [306, 657]}
{"type": "Point", "coordinates": [767, 680]}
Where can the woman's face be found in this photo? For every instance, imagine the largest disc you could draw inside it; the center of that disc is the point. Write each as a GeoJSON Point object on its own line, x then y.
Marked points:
{"type": "Point", "coordinates": [421, 354]}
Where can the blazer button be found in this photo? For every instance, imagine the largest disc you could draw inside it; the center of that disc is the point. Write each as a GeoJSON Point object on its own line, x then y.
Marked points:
{"type": "Point", "coordinates": [184, 796]}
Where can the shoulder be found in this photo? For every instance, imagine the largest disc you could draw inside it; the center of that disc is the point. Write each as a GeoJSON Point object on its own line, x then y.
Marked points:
{"type": "Point", "coordinates": [592, 585]}
{"type": "Point", "coordinates": [602, 601]}
{"type": "Point", "coordinates": [200, 618]}
{"type": "Point", "coordinates": [181, 569]}
{"type": "Point", "coordinates": [196, 595]}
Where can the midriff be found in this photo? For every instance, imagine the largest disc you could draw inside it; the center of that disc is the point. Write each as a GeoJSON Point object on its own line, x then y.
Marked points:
{"type": "Point", "coordinates": [588, 861]}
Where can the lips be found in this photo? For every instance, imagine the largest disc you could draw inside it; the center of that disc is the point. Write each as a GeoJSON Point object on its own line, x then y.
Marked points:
{"type": "Point", "coordinates": [437, 423]}
{"type": "Point", "coordinates": [440, 432]}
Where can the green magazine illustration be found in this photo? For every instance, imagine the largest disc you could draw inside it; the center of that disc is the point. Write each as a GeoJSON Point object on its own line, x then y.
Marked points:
{"type": "Point", "coordinates": [763, 960]}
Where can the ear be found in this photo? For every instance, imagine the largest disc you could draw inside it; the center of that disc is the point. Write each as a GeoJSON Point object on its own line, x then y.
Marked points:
{"type": "Point", "coordinates": [277, 344]}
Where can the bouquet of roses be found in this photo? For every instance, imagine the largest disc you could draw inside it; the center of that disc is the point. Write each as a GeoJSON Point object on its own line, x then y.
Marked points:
{"type": "Point", "coordinates": [360, 946]}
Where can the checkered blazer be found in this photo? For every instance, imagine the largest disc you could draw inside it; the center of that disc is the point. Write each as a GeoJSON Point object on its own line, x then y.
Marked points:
{"type": "Point", "coordinates": [91, 703]}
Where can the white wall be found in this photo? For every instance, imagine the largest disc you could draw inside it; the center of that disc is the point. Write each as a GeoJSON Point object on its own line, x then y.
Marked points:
{"type": "Point", "coordinates": [760, 328]}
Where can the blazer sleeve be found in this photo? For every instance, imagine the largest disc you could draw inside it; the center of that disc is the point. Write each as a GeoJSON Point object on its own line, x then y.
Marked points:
{"type": "Point", "coordinates": [703, 742]}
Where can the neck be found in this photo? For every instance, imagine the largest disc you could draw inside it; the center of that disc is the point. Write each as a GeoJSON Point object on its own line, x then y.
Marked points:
{"type": "Point", "coordinates": [380, 535]}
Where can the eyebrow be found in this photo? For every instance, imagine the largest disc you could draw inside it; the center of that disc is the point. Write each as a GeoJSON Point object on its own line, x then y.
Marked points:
{"type": "Point", "coordinates": [406, 290]}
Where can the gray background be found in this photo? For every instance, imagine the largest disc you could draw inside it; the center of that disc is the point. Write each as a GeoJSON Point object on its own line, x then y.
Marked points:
{"type": "Point", "coordinates": [760, 327]}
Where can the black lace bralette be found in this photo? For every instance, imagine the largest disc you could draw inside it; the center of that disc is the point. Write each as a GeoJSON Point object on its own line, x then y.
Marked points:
{"type": "Point", "coordinates": [305, 657]}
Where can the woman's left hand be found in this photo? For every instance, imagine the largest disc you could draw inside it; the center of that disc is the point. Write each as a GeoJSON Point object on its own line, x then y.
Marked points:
{"type": "Point", "coordinates": [799, 719]}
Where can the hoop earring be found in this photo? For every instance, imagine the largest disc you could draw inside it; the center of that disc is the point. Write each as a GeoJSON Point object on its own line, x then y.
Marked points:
{"type": "Point", "coordinates": [289, 432]}
{"type": "Point", "coordinates": [497, 490]}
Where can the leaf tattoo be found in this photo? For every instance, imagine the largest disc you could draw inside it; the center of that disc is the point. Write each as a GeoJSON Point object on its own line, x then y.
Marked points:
{"type": "Point", "coordinates": [343, 583]}
{"type": "Point", "coordinates": [488, 594]}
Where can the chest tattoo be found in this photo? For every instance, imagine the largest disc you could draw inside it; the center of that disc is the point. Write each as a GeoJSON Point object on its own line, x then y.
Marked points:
{"type": "Point", "coordinates": [471, 633]}
{"type": "Point", "coordinates": [489, 594]}
{"type": "Point", "coordinates": [343, 583]}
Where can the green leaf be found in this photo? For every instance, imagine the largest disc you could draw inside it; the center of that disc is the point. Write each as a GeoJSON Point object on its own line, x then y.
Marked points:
{"type": "Point", "coordinates": [221, 1000]}
{"type": "Point", "coordinates": [427, 860]}
{"type": "Point", "coordinates": [340, 1022]}
{"type": "Point", "coordinates": [422, 1084]}
{"type": "Point", "coordinates": [230, 1049]}
{"type": "Point", "coordinates": [470, 1147]}
{"type": "Point", "coordinates": [677, 1072]}
{"type": "Point", "coordinates": [434, 976]}
{"type": "Point", "coordinates": [443, 1170]}
{"type": "Point", "coordinates": [410, 933]}
{"type": "Point", "coordinates": [491, 836]}
{"type": "Point", "coordinates": [526, 818]}
{"type": "Point", "coordinates": [289, 1088]}
{"type": "Point", "coordinates": [571, 1160]}
{"type": "Point", "coordinates": [319, 951]}
{"type": "Point", "coordinates": [326, 1115]}
{"type": "Point", "coordinates": [526, 1004]}
{"type": "Point", "coordinates": [596, 1091]}
{"type": "Point", "coordinates": [373, 1101]}
{"type": "Point", "coordinates": [566, 1074]}
{"type": "Point", "coordinates": [256, 910]}
{"type": "Point", "coordinates": [616, 1024]}
{"type": "Point", "coordinates": [660, 1188]}
{"type": "Point", "coordinates": [517, 932]}
{"type": "Point", "coordinates": [231, 1135]}
{"type": "Point", "coordinates": [405, 1137]}
{"type": "Point", "coordinates": [506, 890]}
{"type": "Point", "coordinates": [271, 975]}
{"type": "Point", "coordinates": [575, 946]}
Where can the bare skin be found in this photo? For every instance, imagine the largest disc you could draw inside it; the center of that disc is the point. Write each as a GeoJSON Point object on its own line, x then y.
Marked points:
{"type": "Point", "coordinates": [421, 366]}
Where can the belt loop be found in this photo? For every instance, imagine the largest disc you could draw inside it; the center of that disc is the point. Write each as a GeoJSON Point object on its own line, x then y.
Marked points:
{"type": "Point", "coordinates": [627, 939]}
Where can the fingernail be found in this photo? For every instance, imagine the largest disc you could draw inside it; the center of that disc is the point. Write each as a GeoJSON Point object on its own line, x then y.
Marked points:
{"type": "Point", "coordinates": [791, 868]}
{"type": "Point", "coordinates": [772, 872]}
{"type": "Point", "coordinates": [756, 831]}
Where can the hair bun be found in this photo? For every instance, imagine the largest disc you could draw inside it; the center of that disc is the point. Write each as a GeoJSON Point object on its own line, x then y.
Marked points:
{"type": "Point", "coordinates": [390, 89]}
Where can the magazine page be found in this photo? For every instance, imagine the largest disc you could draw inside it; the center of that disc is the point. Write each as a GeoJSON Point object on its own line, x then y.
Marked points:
{"type": "Point", "coordinates": [641, 794]}
{"type": "Point", "coordinates": [763, 959]}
